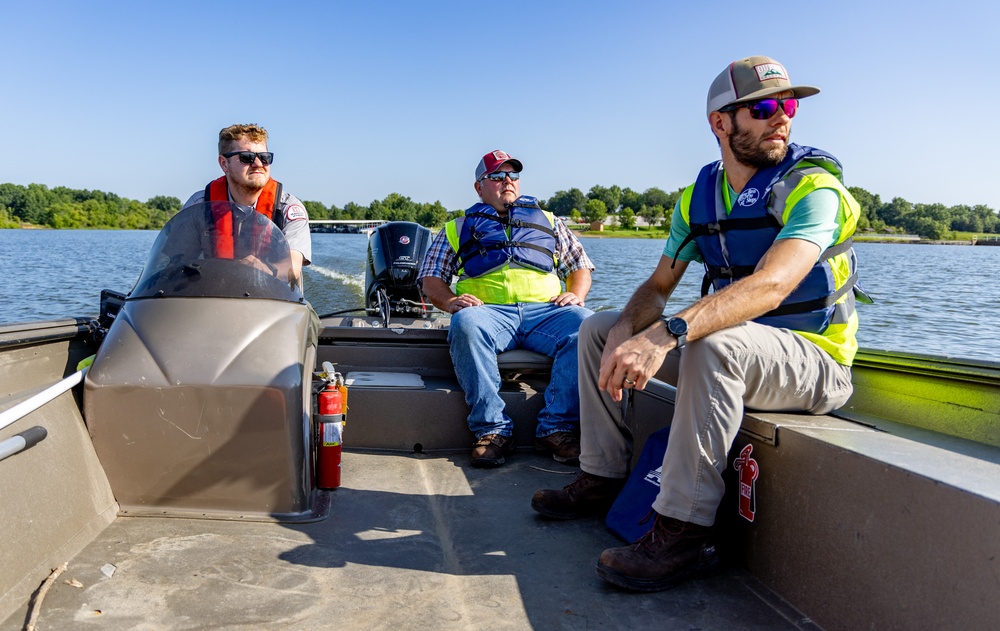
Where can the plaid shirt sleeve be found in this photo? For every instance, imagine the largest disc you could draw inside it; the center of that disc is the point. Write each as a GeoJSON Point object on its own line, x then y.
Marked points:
{"type": "Point", "coordinates": [440, 261]}
{"type": "Point", "coordinates": [570, 251]}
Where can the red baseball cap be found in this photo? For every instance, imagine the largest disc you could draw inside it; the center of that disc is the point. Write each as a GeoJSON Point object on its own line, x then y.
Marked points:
{"type": "Point", "coordinates": [492, 162]}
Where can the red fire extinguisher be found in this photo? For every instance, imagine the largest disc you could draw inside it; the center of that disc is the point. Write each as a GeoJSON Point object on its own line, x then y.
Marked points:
{"type": "Point", "coordinates": [330, 425]}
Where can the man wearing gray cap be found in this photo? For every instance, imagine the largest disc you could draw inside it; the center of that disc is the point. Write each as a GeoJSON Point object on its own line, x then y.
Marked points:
{"type": "Point", "coordinates": [772, 224]}
{"type": "Point", "coordinates": [510, 256]}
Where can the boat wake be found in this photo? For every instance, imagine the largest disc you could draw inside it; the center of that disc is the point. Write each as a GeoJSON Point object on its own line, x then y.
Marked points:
{"type": "Point", "coordinates": [353, 281]}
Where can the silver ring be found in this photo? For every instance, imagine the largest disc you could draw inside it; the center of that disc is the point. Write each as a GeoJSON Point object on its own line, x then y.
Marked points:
{"type": "Point", "coordinates": [630, 382]}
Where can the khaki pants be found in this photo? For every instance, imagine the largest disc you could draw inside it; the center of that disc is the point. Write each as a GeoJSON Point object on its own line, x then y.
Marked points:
{"type": "Point", "coordinates": [751, 365]}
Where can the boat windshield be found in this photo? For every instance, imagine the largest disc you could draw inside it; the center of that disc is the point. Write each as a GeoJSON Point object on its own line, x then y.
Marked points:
{"type": "Point", "coordinates": [222, 250]}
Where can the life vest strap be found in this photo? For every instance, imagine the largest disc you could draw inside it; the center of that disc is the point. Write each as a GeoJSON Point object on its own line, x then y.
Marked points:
{"type": "Point", "coordinates": [812, 305]}
{"type": "Point", "coordinates": [834, 250]}
{"type": "Point", "coordinates": [725, 225]}
{"type": "Point", "coordinates": [475, 245]}
{"type": "Point", "coordinates": [515, 223]}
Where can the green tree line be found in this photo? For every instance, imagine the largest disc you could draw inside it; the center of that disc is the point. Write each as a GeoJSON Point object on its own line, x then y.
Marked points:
{"type": "Point", "coordinates": [61, 207]}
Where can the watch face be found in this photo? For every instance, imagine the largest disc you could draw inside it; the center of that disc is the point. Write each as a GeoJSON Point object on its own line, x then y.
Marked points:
{"type": "Point", "coordinates": [677, 326]}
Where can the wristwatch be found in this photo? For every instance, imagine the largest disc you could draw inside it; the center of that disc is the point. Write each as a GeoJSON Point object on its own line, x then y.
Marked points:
{"type": "Point", "coordinates": [677, 327]}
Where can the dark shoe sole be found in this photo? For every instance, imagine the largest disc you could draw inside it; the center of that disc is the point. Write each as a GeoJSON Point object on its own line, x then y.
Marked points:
{"type": "Point", "coordinates": [487, 463]}
{"type": "Point", "coordinates": [544, 511]}
{"type": "Point", "coordinates": [701, 569]}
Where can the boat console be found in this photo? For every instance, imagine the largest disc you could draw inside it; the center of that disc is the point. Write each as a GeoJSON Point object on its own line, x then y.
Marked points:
{"type": "Point", "coordinates": [199, 401]}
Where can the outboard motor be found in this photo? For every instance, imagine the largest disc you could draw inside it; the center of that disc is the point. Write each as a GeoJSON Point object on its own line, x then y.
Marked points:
{"type": "Point", "coordinates": [395, 252]}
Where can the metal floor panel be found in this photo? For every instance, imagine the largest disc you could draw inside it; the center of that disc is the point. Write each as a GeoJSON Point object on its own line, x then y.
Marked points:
{"type": "Point", "coordinates": [413, 542]}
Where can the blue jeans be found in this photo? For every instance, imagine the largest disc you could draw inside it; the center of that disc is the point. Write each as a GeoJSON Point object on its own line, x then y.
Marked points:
{"type": "Point", "coordinates": [477, 334]}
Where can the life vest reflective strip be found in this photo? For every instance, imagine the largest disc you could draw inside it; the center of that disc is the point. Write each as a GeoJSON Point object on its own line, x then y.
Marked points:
{"type": "Point", "coordinates": [731, 244]}
{"type": "Point", "coordinates": [505, 260]}
{"type": "Point", "coordinates": [224, 232]}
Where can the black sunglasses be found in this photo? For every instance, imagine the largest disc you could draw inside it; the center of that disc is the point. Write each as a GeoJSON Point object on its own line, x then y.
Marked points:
{"type": "Point", "coordinates": [499, 176]}
{"type": "Point", "coordinates": [247, 157]}
{"type": "Point", "coordinates": [766, 108]}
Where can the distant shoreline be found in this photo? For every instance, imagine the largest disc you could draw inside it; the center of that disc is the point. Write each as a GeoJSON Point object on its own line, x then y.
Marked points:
{"type": "Point", "coordinates": [628, 234]}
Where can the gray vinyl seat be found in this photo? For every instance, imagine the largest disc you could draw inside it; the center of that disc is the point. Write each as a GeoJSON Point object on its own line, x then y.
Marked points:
{"type": "Point", "coordinates": [522, 362]}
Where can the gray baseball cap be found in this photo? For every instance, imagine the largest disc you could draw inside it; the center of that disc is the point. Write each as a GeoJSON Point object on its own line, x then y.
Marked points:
{"type": "Point", "coordinates": [750, 79]}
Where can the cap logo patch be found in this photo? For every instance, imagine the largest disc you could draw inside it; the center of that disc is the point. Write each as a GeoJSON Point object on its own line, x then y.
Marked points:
{"type": "Point", "coordinates": [500, 155]}
{"type": "Point", "coordinates": [748, 197]}
{"type": "Point", "coordinates": [770, 71]}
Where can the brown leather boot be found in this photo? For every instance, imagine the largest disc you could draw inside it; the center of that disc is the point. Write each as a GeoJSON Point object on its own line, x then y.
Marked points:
{"type": "Point", "coordinates": [672, 551]}
{"type": "Point", "coordinates": [587, 495]}
{"type": "Point", "coordinates": [489, 450]}
{"type": "Point", "coordinates": [564, 446]}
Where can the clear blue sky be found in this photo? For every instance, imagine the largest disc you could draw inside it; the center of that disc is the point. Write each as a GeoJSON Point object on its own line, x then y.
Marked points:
{"type": "Point", "coordinates": [366, 98]}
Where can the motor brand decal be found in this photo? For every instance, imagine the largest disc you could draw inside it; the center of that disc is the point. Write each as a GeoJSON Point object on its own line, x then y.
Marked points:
{"type": "Point", "coordinates": [405, 240]}
{"type": "Point", "coordinates": [748, 470]}
{"type": "Point", "coordinates": [748, 197]}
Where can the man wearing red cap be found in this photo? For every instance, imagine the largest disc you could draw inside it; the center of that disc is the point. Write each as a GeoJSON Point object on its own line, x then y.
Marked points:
{"type": "Point", "coordinates": [510, 257]}
{"type": "Point", "coordinates": [771, 222]}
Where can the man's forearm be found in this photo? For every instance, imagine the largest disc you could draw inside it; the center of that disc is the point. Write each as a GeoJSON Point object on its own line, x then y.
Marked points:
{"type": "Point", "coordinates": [643, 308]}
{"type": "Point", "coordinates": [779, 272]}
{"type": "Point", "coordinates": [297, 260]}
{"type": "Point", "coordinates": [579, 282]}
{"type": "Point", "coordinates": [437, 291]}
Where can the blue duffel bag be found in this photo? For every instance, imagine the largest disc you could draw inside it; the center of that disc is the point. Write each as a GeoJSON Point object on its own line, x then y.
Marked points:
{"type": "Point", "coordinates": [629, 517]}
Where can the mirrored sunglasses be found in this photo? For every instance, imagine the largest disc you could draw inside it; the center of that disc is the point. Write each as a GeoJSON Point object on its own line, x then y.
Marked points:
{"type": "Point", "coordinates": [766, 108]}
{"type": "Point", "coordinates": [499, 176]}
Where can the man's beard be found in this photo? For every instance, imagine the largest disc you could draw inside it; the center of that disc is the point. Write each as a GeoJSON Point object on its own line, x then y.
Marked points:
{"type": "Point", "coordinates": [249, 186]}
{"type": "Point", "coordinates": [747, 149]}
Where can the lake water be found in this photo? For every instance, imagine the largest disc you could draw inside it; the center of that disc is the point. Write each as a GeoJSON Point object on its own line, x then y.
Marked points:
{"type": "Point", "coordinates": [934, 299]}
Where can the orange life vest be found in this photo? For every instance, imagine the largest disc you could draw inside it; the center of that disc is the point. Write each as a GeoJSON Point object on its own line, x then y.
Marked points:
{"type": "Point", "coordinates": [223, 241]}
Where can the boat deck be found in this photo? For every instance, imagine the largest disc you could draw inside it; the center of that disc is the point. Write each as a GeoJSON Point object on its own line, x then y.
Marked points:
{"type": "Point", "coordinates": [412, 542]}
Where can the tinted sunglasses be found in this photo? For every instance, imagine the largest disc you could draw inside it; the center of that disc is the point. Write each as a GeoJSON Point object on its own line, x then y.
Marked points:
{"type": "Point", "coordinates": [500, 175]}
{"type": "Point", "coordinates": [766, 108]}
{"type": "Point", "coordinates": [247, 157]}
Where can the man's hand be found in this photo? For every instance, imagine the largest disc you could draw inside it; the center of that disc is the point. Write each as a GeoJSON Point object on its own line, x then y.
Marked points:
{"type": "Point", "coordinates": [255, 262]}
{"type": "Point", "coordinates": [630, 362]}
{"type": "Point", "coordinates": [567, 298]}
{"type": "Point", "coordinates": [458, 303]}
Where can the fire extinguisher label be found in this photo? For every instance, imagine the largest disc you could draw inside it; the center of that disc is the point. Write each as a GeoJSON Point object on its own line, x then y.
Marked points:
{"type": "Point", "coordinates": [748, 470]}
{"type": "Point", "coordinates": [331, 434]}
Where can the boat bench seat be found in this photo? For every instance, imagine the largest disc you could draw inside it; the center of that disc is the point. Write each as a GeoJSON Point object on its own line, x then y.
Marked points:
{"type": "Point", "coordinates": [841, 502]}
{"type": "Point", "coordinates": [523, 362]}
{"type": "Point", "coordinates": [861, 502]}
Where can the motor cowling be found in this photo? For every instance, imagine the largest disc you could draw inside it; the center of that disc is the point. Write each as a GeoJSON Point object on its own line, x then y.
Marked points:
{"type": "Point", "coordinates": [395, 252]}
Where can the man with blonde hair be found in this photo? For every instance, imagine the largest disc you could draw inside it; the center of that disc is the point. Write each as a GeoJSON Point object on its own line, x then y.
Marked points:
{"type": "Point", "coordinates": [246, 180]}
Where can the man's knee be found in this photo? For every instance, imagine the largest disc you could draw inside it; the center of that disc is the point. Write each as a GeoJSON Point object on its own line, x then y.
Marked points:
{"type": "Point", "coordinates": [465, 325]}
{"type": "Point", "coordinates": [594, 330]}
{"type": "Point", "coordinates": [714, 346]}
